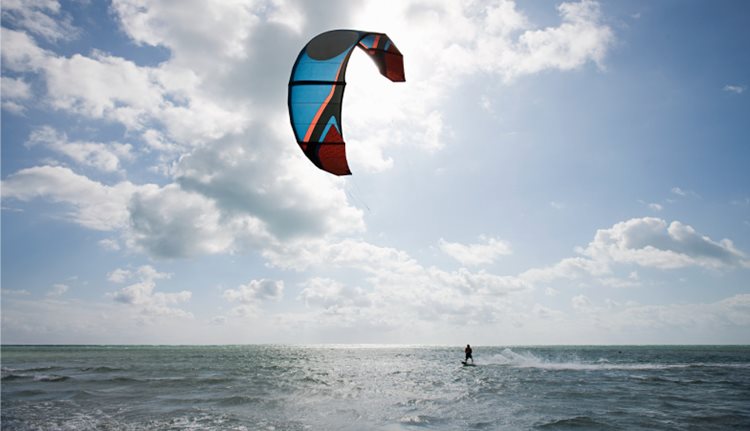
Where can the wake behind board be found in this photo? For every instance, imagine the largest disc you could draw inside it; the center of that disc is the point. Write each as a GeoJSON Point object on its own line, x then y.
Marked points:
{"type": "Point", "coordinates": [466, 364]}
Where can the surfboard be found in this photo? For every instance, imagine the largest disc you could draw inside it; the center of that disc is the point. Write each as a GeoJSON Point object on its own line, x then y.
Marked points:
{"type": "Point", "coordinates": [466, 364]}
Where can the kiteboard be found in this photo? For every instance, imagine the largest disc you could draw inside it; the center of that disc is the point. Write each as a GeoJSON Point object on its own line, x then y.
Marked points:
{"type": "Point", "coordinates": [466, 364]}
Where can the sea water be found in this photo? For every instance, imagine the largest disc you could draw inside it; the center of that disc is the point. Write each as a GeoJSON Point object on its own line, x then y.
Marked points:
{"type": "Point", "coordinates": [374, 388]}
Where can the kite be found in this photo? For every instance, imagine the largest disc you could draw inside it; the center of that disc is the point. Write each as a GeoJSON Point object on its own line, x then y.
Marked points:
{"type": "Point", "coordinates": [316, 90]}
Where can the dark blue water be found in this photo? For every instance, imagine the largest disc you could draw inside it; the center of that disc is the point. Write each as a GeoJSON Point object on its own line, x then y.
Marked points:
{"type": "Point", "coordinates": [374, 388]}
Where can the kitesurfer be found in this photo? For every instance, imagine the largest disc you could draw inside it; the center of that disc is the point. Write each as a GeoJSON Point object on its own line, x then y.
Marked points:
{"type": "Point", "coordinates": [467, 350]}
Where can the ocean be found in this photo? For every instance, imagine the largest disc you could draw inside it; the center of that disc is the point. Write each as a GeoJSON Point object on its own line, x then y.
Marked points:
{"type": "Point", "coordinates": [374, 388]}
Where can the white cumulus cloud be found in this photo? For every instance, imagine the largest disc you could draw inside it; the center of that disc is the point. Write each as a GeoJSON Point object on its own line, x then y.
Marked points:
{"type": "Point", "coordinates": [476, 254]}
{"type": "Point", "coordinates": [250, 296]}
{"type": "Point", "coordinates": [651, 242]}
{"type": "Point", "coordinates": [256, 291]}
{"type": "Point", "coordinates": [105, 157]}
{"type": "Point", "coordinates": [43, 18]}
{"type": "Point", "coordinates": [14, 92]}
{"type": "Point", "coordinates": [142, 294]}
{"type": "Point", "coordinates": [93, 204]}
{"type": "Point", "coordinates": [328, 293]}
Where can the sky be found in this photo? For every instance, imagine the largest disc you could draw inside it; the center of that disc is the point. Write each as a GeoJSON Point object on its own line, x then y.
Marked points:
{"type": "Point", "coordinates": [549, 173]}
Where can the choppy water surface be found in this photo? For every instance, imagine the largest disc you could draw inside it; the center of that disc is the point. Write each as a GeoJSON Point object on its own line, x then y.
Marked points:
{"type": "Point", "coordinates": [373, 388]}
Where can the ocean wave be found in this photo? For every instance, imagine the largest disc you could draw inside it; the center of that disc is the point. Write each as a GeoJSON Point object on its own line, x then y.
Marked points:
{"type": "Point", "coordinates": [11, 377]}
{"type": "Point", "coordinates": [168, 381]}
{"type": "Point", "coordinates": [128, 379]}
{"type": "Point", "coordinates": [51, 378]}
{"type": "Point", "coordinates": [577, 422]}
{"type": "Point", "coordinates": [214, 380]}
{"type": "Point", "coordinates": [25, 393]}
{"type": "Point", "coordinates": [35, 377]}
{"type": "Point", "coordinates": [100, 369]}
{"type": "Point", "coordinates": [101, 421]}
{"type": "Point", "coordinates": [30, 370]}
{"type": "Point", "coordinates": [420, 420]}
{"type": "Point", "coordinates": [39, 374]}
{"type": "Point", "coordinates": [238, 400]}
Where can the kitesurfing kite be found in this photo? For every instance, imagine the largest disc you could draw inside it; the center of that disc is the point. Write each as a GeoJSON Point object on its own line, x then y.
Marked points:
{"type": "Point", "coordinates": [316, 90]}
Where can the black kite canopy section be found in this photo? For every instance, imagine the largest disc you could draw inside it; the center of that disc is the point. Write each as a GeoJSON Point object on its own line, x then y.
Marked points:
{"type": "Point", "coordinates": [316, 89]}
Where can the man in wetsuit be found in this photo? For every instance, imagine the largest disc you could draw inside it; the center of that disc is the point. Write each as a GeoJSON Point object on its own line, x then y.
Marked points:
{"type": "Point", "coordinates": [467, 350]}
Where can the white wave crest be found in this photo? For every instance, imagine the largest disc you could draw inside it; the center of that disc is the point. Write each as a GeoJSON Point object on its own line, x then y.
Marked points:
{"type": "Point", "coordinates": [526, 359]}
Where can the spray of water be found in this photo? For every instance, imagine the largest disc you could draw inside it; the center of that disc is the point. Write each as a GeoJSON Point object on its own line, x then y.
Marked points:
{"type": "Point", "coordinates": [526, 359]}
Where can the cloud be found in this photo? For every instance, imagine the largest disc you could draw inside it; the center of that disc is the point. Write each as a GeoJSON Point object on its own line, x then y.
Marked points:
{"type": "Point", "coordinates": [218, 320]}
{"type": "Point", "coordinates": [256, 291]}
{"type": "Point", "coordinates": [543, 312]}
{"type": "Point", "coordinates": [43, 18]}
{"type": "Point", "coordinates": [619, 283]}
{"type": "Point", "coordinates": [301, 255]}
{"type": "Point", "coordinates": [678, 191]}
{"type": "Point", "coordinates": [398, 283]}
{"type": "Point", "coordinates": [732, 311]}
{"type": "Point", "coordinates": [651, 242]}
{"type": "Point", "coordinates": [736, 89]}
{"type": "Point", "coordinates": [143, 273]}
{"type": "Point", "coordinates": [250, 296]}
{"type": "Point", "coordinates": [101, 156]}
{"type": "Point", "coordinates": [735, 309]}
{"type": "Point", "coordinates": [119, 275]}
{"type": "Point", "coordinates": [444, 43]}
{"type": "Point", "coordinates": [142, 295]}
{"type": "Point", "coordinates": [20, 52]}
{"type": "Point", "coordinates": [647, 242]}
{"type": "Point", "coordinates": [170, 222]}
{"type": "Point", "coordinates": [581, 303]}
{"type": "Point", "coordinates": [684, 193]}
{"type": "Point", "coordinates": [15, 92]}
{"type": "Point", "coordinates": [109, 244]}
{"type": "Point", "coordinates": [58, 289]}
{"type": "Point", "coordinates": [397, 290]}
{"type": "Point", "coordinates": [327, 293]}
{"type": "Point", "coordinates": [49, 320]}
{"type": "Point", "coordinates": [106, 87]}
{"type": "Point", "coordinates": [494, 37]}
{"type": "Point", "coordinates": [580, 38]}
{"type": "Point", "coordinates": [15, 88]}
{"type": "Point", "coordinates": [115, 89]}
{"type": "Point", "coordinates": [191, 33]}
{"type": "Point", "coordinates": [15, 292]}
{"type": "Point", "coordinates": [13, 107]}
{"type": "Point", "coordinates": [94, 205]}
{"type": "Point", "coordinates": [271, 181]}
{"type": "Point", "coordinates": [567, 268]}
{"type": "Point", "coordinates": [476, 254]}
